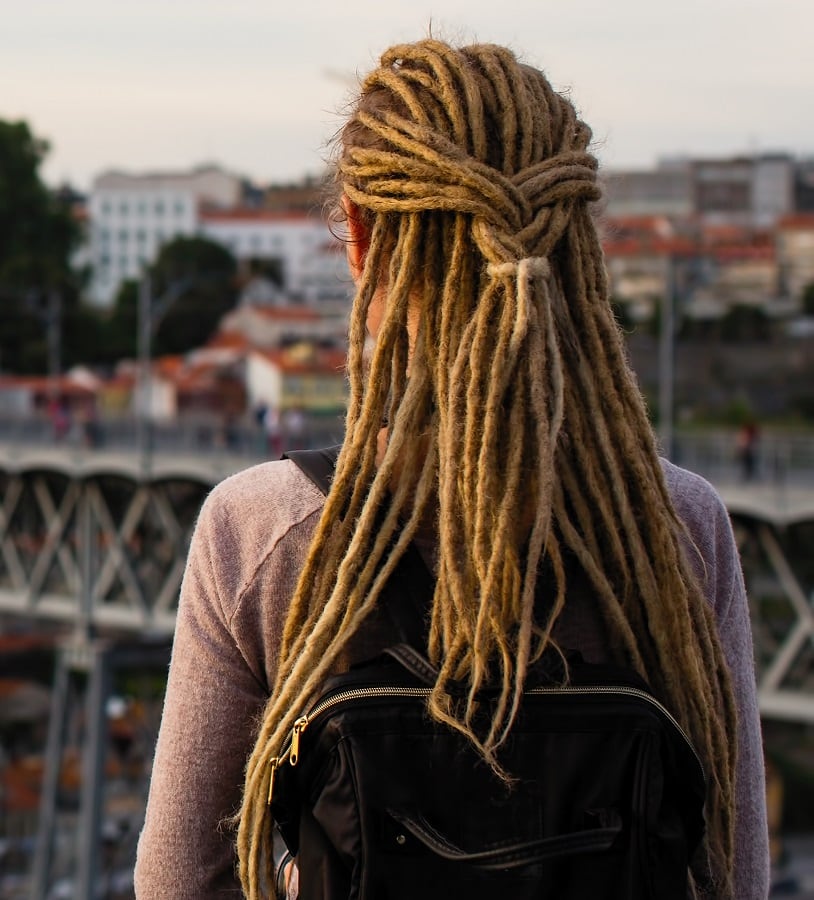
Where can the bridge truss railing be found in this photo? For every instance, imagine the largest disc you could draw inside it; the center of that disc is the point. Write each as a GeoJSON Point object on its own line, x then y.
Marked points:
{"type": "Point", "coordinates": [102, 551]}
{"type": "Point", "coordinates": [95, 544]}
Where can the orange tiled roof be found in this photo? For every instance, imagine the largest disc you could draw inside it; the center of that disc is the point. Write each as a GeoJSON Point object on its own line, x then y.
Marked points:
{"type": "Point", "coordinates": [652, 223]}
{"type": "Point", "coordinates": [324, 362]}
{"type": "Point", "coordinates": [169, 365]}
{"type": "Point", "coordinates": [797, 222]}
{"type": "Point", "coordinates": [741, 253]}
{"type": "Point", "coordinates": [239, 214]}
{"type": "Point", "coordinates": [637, 246]}
{"type": "Point", "coordinates": [726, 233]}
{"type": "Point", "coordinates": [228, 340]}
{"type": "Point", "coordinates": [45, 384]}
{"type": "Point", "coordinates": [286, 313]}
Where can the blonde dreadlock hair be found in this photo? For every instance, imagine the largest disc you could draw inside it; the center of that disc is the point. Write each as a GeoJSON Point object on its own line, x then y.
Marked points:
{"type": "Point", "coordinates": [474, 183]}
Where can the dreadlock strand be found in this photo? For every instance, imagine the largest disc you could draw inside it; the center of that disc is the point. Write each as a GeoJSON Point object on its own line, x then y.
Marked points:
{"type": "Point", "coordinates": [520, 102]}
{"type": "Point", "coordinates": [400, 91]}
{"type": "Point", "coordinates": [463, 100]}
{"type": "Point", "coordinates": [487, 396]}
{"type": "Point", "coordinates": [608, 601]}
{"type": "Point", "coordinates": [509, 125]}
{"type": "Point", "coordinates": [352, 583]}
{"type": "Point", "coordinates": [500, 553]}
{"type": "Point", "coordinates": [540, 113]}
{"type": "Point", "coordinates": [434, 57]}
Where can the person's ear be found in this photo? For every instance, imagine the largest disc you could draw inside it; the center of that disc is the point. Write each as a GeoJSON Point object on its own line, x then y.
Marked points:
{"type": "Point", "coordinates": [358, 242]}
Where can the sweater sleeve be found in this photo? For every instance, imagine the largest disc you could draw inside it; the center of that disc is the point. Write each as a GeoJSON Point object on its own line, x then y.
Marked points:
{"type": "Point", "coordinates": [752, 866]}
{"type": "Point", "coordinates": [217, 687]}
{"type": "Point", "coordinates": [719, 568]}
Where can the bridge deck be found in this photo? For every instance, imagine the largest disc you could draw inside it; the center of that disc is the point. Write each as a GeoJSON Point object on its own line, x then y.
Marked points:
{"type": "Point", "coordinates": [80, 462]}
{"type": "Point", "coordinates": [780, 498]}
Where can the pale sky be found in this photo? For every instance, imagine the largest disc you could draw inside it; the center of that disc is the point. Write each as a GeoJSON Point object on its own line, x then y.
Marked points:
{"type": "Point", "coordinates": [258, 85]}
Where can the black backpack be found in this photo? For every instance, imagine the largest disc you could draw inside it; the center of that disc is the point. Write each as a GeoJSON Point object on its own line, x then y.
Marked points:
{"type": "Point", "coordinates": [376, 801]}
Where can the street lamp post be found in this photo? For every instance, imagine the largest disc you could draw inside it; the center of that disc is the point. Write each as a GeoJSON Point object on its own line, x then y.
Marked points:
{"type": "Point", "coordinates": [53, 318]}
{"type": "Point", "coordinates": [667, 362]}
{"type": "Point", "coordinates": [151, 310]}
{"type": "Point", "coordinates": [144, 397]}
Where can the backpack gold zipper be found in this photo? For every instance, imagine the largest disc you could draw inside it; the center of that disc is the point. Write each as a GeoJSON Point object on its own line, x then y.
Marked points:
{"type": "Point", "coordinates": [290, 751]}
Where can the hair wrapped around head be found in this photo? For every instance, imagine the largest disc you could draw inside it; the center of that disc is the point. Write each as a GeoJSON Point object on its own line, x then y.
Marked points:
{"type": "Point", "coordinates": [516, 430]}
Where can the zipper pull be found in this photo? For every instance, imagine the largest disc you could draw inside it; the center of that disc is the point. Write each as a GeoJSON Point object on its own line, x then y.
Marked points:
{"type": "Point", "coordinates": [274, 764]}
{"type": "Point", "coordinates": [299, 726]}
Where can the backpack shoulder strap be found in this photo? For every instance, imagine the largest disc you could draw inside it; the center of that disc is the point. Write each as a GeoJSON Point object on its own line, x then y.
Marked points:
{"type": "Point", "coordinates": [317, 465]}
{"type": "Point", "coordinates": [410, 586]}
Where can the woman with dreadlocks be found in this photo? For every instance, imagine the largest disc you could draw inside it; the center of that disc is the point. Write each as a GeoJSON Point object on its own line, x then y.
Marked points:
{"type": "Point", "coordinates": [495, 424]}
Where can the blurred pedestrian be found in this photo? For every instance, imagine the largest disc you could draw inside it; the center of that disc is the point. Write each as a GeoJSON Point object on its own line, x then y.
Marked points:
{"type": "Point", "coordinates": [746, 444]}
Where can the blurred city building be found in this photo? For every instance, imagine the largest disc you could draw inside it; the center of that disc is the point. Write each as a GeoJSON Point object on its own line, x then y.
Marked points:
{"type": "Point", "coordinates": [718, 232]}
{"type": "Point", "coordinates": [294, 249]}
{"type": "Point", "coordinates": [131, 216]}
{"type": "Point", "coordinates": [712, 235]}
{"type": "Point", "coordinates": [795, 252]}
{"type": "Point", "coordinates": [749, 191]}
{"type": "Point", "coordinates": [715, 238]}
{"type": "Point", "coordinates": [279, 231]}
{"type": "Point", "coordinates": [663, 191]}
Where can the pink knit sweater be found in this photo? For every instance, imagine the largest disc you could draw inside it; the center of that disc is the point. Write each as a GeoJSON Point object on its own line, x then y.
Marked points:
{"type": "Point", "coordinates": [249, 543]}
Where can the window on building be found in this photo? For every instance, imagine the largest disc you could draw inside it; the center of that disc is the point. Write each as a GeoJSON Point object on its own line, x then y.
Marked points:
{"type": "Point", "coordinates": [124, 209]}
{"type": "Point", "coordinates": [159, 208]}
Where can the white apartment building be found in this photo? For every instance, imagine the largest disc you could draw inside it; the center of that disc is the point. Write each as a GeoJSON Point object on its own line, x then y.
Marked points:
{"type": "Point", "coordinates": [132, 216]}
{"type": "Point", "coordinates": [663, 191]}
{"type": "Point", "coordinates": [312, 260]}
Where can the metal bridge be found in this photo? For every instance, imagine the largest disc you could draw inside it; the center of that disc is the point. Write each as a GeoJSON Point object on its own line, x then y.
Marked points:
{"type": "Point", "coordinates": [95, 538]}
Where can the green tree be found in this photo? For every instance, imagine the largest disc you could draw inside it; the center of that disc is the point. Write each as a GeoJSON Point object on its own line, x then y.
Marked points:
{"type": "Point", "coordinates": [37, 236]}
{"type": "Point", "coordinates": [194, 280]}
{"type": "Point", "coordinates": [192, 285]}
{"type": "Point", "coordinates": [83, 334]}
{"type": "Point", "coordinates": [119, 326]}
